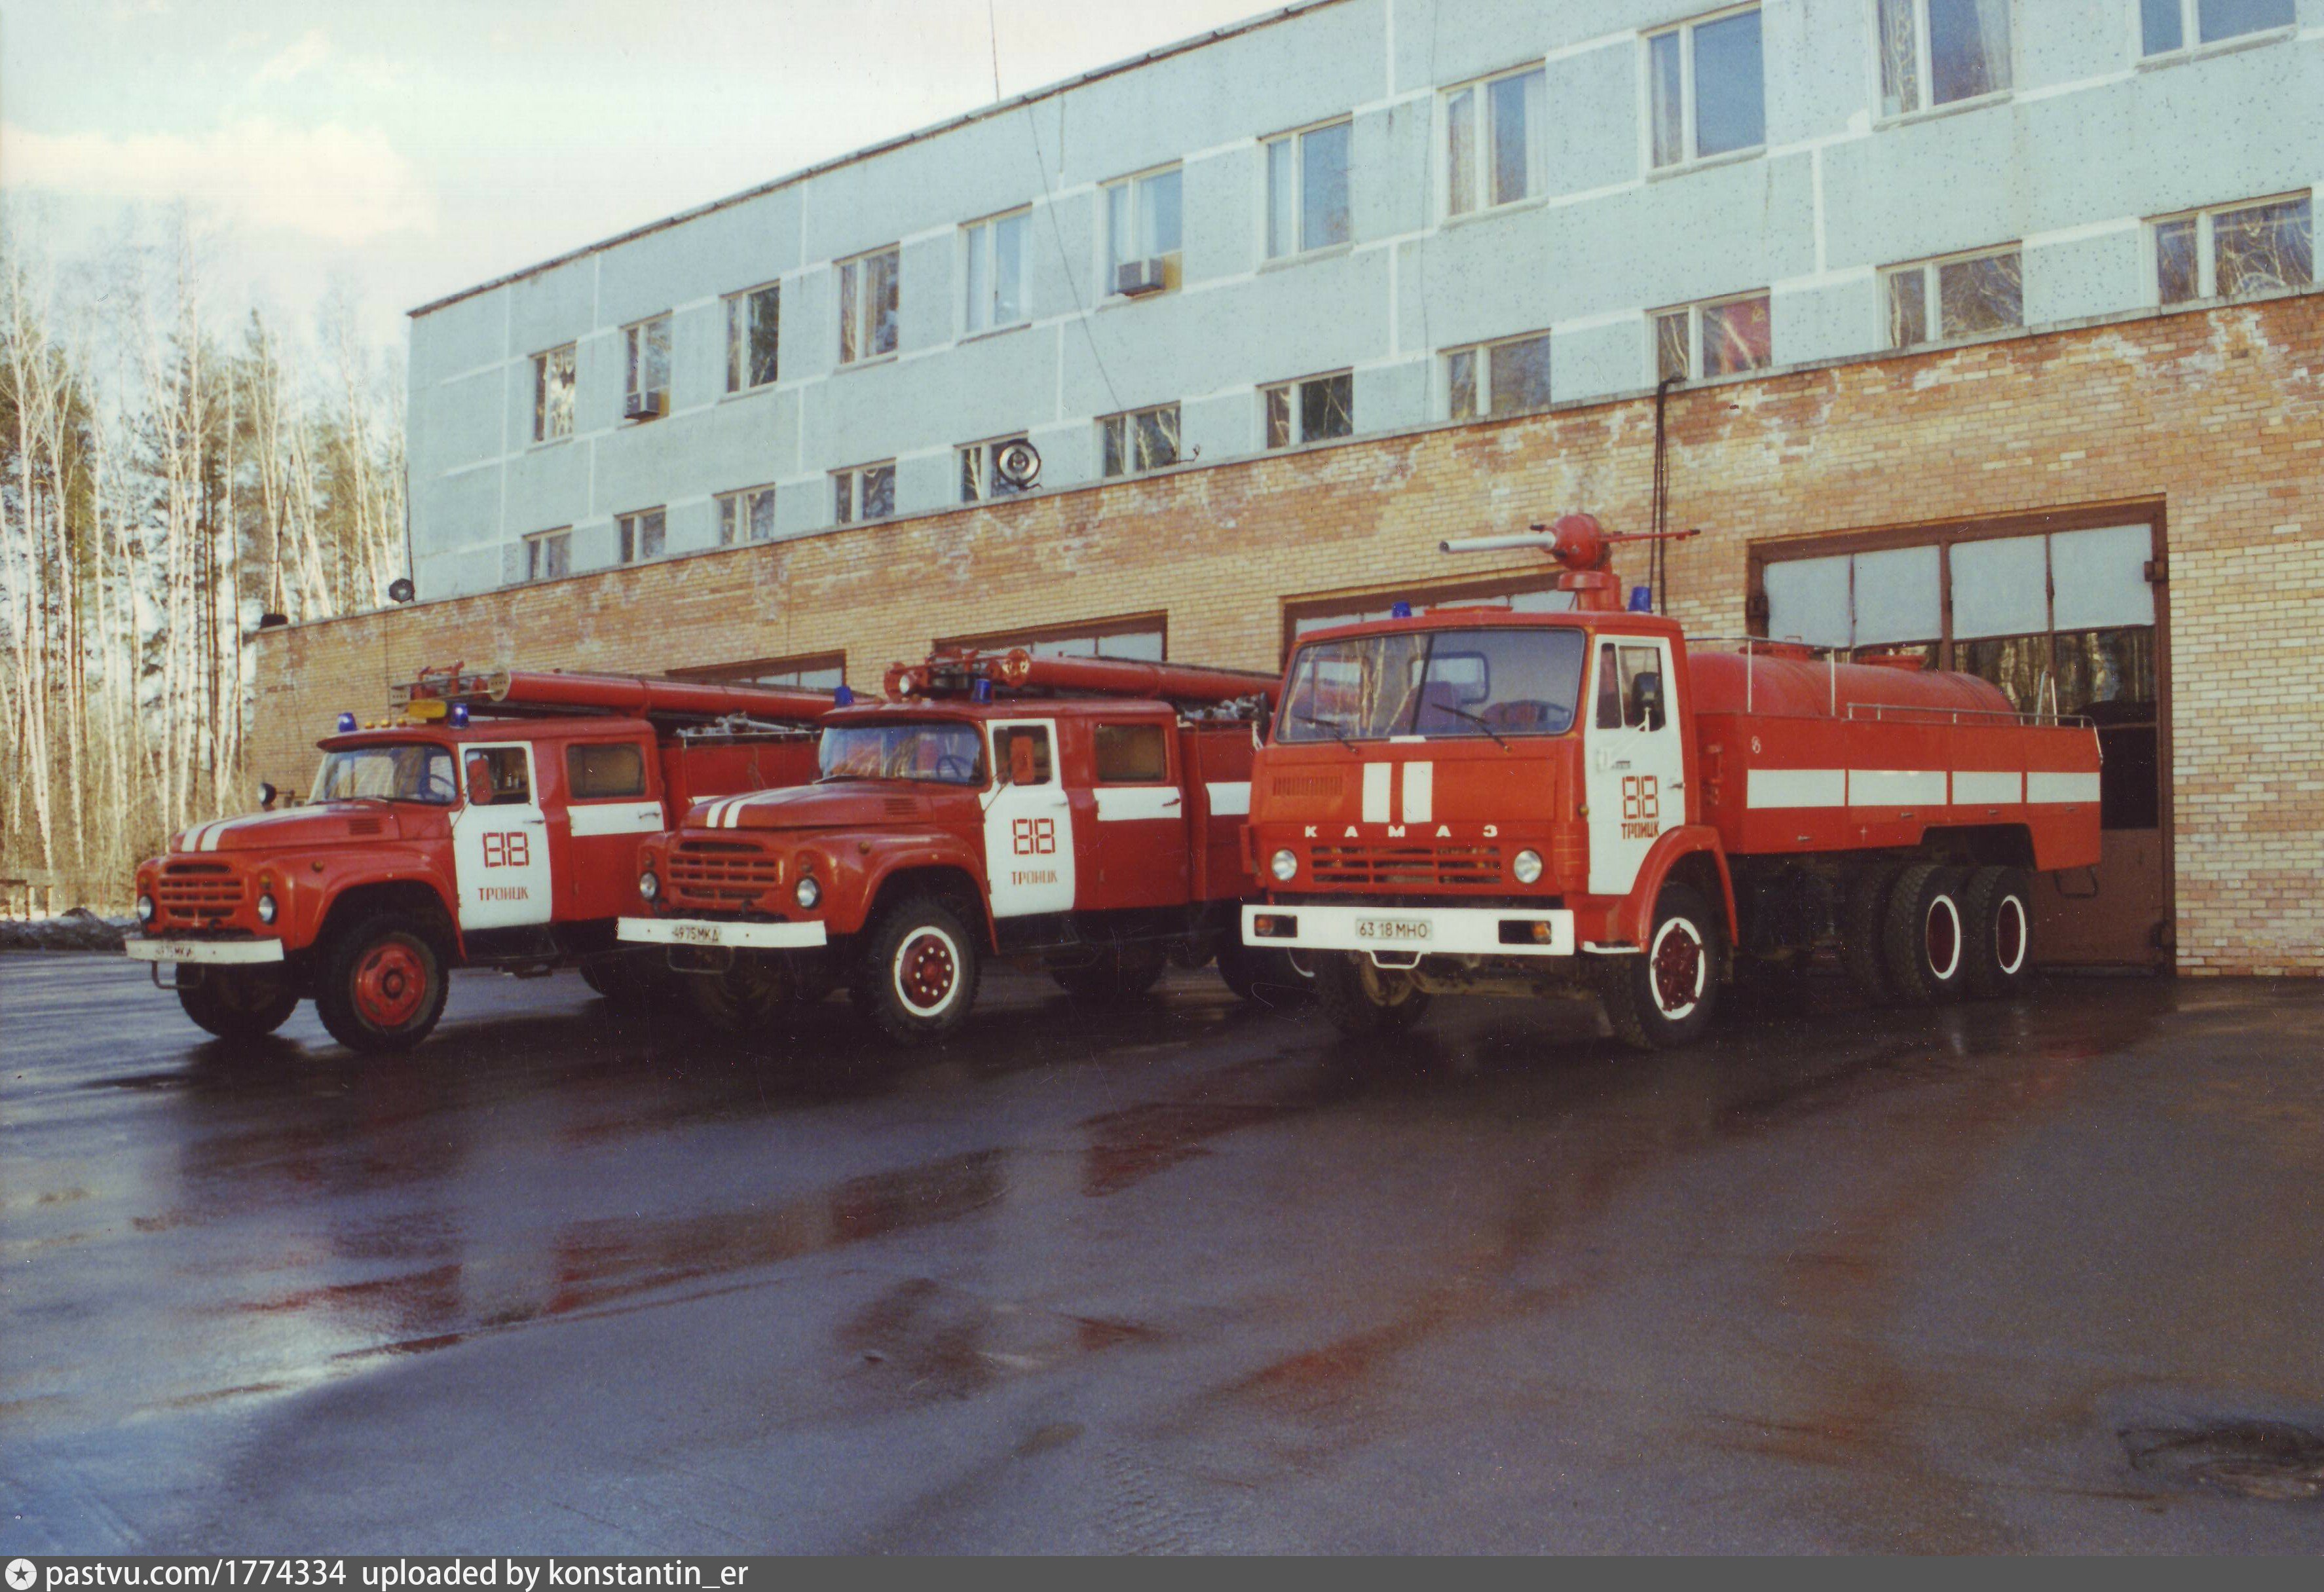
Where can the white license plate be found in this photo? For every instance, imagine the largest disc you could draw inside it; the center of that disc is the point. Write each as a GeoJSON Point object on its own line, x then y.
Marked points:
{"type": "Point", "coordinates": [1393, 931]}
{"type": "Point", "coordinates": [694, 934]}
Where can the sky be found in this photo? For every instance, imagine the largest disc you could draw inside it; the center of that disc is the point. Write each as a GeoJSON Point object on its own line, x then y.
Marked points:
{"type": "Point", "coordinates": [403, 151]}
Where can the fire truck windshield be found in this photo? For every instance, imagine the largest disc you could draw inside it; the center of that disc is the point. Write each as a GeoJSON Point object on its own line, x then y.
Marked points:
{"type": "Point", "coordinates": [412, 771]}
{"type": "Point", "coordinates": [1495, 683]}
{"type": "Point", "coordinates": [946, 752]}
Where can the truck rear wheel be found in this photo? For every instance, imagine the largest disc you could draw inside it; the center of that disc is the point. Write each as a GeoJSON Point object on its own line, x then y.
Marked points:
{"type": "Point", "coordinates": [240, 1003]}
{"type": "Point", "coordinates": [627, 979]}
{"type": "Point", "coordinates": [1927, 939]}
{"type": "Point", "coordinates": [1665, 998]}
{"type": "Point", "coordinates": [1999, 908]}
{"type": "Point", "coordinates": [918, 976]}
{"type": "Point", "coordinates": [1360, 999]}
{"type": "Point", "coordinates": [1114, 976]}
{"type": "Point", "coordinates": [382, 984]}
{"type": "Point", "coordinates": [1863, 930]}
{"type": "Point", "coordinates": [746, 996]}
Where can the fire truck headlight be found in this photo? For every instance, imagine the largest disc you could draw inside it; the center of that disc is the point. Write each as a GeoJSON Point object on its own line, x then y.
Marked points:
{"type": "Point", "coordinates": [1284, 866]}
{"type": "Point", "coordinates": [1526, 865]}
{"type": "Point", "coordinates": [808, 892]}
{"type": "Point", "coordinates": [650, 884]}
{"type": "Point", "coordinates": [266, 910]}
{"type": "Point", "coordinates": [144, 909]}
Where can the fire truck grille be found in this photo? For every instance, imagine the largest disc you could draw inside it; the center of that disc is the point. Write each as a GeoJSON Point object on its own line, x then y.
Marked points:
{"type": "Point", "coordinates": [1408, 865]}
{"type": "Point", "coordinates": [195, 895]}
{"type": "Point", "coordinates": [721, 873]}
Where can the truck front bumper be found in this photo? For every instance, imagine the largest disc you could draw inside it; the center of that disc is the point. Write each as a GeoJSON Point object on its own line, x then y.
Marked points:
{"type": "Point", "coordinates": [708, 930]}
{"type": "Point", "coordinates": [204, 953]}
{"type": "Point", "coordinates": [1394, 936]}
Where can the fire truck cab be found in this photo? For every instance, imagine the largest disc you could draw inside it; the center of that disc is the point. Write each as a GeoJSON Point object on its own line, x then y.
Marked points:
{"type": "Point", "coordinates": [1478, 801]}
{"type": "Point", "coordinates": [494, 822]}
{"type": "Point", "coordinates": [1080, 815]}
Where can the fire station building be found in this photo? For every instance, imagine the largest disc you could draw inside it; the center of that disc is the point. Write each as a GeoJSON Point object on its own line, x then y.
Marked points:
{"type": "Point", "coordinates": [1983, 329]}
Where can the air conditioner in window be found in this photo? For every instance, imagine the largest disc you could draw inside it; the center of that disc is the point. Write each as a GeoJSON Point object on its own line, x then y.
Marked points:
{"type": "Point", "coordinates": [646, 406]}
{"type": "Point", "coordinates": [1139, 276]}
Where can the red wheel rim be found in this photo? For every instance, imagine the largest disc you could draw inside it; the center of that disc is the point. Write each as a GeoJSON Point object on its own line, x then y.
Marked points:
{"type": "Point", "coordinates": [391, 984]}
{"type": "Point", "coordinates": [2009, 934]}
{"type": "Point", "coordinates": [1677, 968]}
{"type": "Point", "coordinates": [925, 971]}
{"type": "Point", "coordinates": [1941, 936]}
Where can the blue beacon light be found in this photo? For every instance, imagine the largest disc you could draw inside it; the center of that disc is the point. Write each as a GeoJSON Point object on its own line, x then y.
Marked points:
{"type": "Point", "coordinates": [459, 716]}
{"type": "Point", "coordinates": [843, 698]}
{"type": "Point", "coordinates": [1399, 611]}
{"type": "Point", "coordinates": [1642, 600]}
{"type": "Point", "coordinates": [347, 724]}
{"type": "Point", "coordinates": [981, 691]}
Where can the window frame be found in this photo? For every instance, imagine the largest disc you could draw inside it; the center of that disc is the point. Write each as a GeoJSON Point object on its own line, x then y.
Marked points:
{"type": "Point", "coordinates": [732, 510]}
{"type": "Point", "coordinates": [1174, 261]}
{"type": "Point", "coordinates": [1484, 148]}
{"type": "Point", "coordinates": [1142, 727]}
{"type": "Point", "coordinates": [984, 233]}
{"type": "Point", "coordinates": [853, 476]}
{"type": "Point", "coordinates": [1932, 297]}
{"type": "Point", "coordinates": [768, 671]}
{"type": "Point", "coordinates": [853, 302]}
{"type": "Point", "coordinates": [629, 535]}
{"type": "Point", "coordinates": [2207, 261]}
{"type": "Point", "coordinates": [1295, 391]}
{"type": "Point", "coordinates": [1155, 624]}
{"type": "Point", "coordinates": [1693, 158]}
{"type": "Point", "coordinates": [1296, 141]}
{"type": "Point", "coordinates": [1483, 354]}
{"type": "Point", "coordinates": [738, 345]}
{"type": "Point", "coordinates": [1694, 313]}
{"type": "Point", "coordinates": [576, 753]}
{"type": "Point", "coordinates": [1126, 420]}
{"type": "Point", "coordinates": [990, 489]}
{"type": "Point", "coordinates": [2190, 42]}
{"type": "Point", "coordinates": [536, 548]}
{"type": "Point", "coordinates": [1924, 69]}
{"type": "Point", "coordinates": [630, 365]}
{"type": "Point", "coordinates": [540, 411]}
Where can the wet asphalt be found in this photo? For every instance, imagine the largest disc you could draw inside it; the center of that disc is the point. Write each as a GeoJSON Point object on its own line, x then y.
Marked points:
{"type": "Point", "coordinates": [1185, 1276]}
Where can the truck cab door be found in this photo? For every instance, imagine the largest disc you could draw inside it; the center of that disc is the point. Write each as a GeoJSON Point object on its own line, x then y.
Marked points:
{"type": "Point", "coordinates": [609, 806]}
{"type": "Point", "coordinates": [1636, 763]}
{"type": "Point", "coordinates": [1137, 847]}
{"type": "Point", "coordinates": [500, 839]}
{"type": "Point", "coordinates": [1028, 823]}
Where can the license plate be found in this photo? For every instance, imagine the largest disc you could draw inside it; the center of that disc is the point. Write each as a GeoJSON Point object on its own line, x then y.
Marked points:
{"type": "Point", "coordinates": [694, 934]}
{"type": "Point", "coordinates": [1392, 931]}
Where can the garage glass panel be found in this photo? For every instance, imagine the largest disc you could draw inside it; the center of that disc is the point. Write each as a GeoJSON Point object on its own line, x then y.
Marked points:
{"type": "Point", "coordinates": [1807, 601]}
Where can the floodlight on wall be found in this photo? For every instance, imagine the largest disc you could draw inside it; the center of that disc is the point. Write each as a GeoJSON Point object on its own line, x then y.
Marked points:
{"type": "Point", "coordinates": [402, 590]}
{"type": "Point", "coordinates": [272, 622]}
{"type": "Point", "coordinates": [1016, 466]}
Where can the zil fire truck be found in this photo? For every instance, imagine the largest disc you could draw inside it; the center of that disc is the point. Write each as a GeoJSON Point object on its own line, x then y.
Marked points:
{"type": "Point", "coordinates": [496, 825]}
{"type": "Point", "coordinates": [1082, 815]}
{"type": "Point", "coordinates": [1480, 801]}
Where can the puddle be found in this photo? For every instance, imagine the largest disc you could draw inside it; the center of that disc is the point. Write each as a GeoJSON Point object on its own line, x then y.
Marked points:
{"type": "Point", "coordinates": [2272, 1461]}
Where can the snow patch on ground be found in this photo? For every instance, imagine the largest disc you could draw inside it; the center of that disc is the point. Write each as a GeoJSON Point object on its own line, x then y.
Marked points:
{"type": "Point", "coordinates": [77, 930]}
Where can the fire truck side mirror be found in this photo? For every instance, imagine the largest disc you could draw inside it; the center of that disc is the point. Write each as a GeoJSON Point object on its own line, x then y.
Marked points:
{"type": "Point", "coordinates": [266, 795]}
{"type": "Point", "coordinates": [1649, 690]}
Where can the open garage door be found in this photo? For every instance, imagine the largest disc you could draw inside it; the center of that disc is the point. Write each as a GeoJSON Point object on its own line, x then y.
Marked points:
{"type": "Point", "coordinates": [2061, 612]}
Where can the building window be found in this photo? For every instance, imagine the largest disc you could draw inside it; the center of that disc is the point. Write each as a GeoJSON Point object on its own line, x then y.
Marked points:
{"type": "Point", "coordinates": [1308, 190]}
{"type": "Point", "coordinates": [2165, 26]}
{"type": "Point", "coordinates": [641, 535]}
{"type": "Point", "coordinates": [1495, 141]}
{"type": "Point", "coordinates": [1142, 240]}
{"type": "Point", "coordinates": [549, 556]}
{"type": "Point", "coordinates": [980, 478]}
{"type": "Point", "coordinates": [2250, 248]}
{"type": "Point", "coordinates": [1309, 410]}
{"type": "Point", "coordinates": [1502, 377]}
{"type": "Point", "coordinates": [869, 298]}
{"type": "Point", "coordinates": [1723, 337]}
{"type": "Point", "coordinates": [1710, 88]}
{"type": "Point", "coordinates": [996, 271]}
{"type": "Point", "coordinates": [747, 516]}
{"type": "Point", "coordinates": [553, 375]}
{"type": "Point", "coordinates": [817, 671]}
{"type": "Point", "coordinates": [752, 337]}
{"type": "Point", "coordinates": [647, 363]}
{"type": "Point", "coordinates": [868, 492]}
{"type": "Point", "coordinates": [1958, 298]}
{"type": "Point", "coordinates": [1140, 638]}
{"type": "Point", "coordinates": [1934, 53]}
{"type": "Point", "coordinates": [1140, 441]}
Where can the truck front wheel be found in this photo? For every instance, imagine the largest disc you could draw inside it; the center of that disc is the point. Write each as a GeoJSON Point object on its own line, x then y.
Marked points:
{"type": "Point", "coordinates": [240, 1003]}
{"type": "Point", "coordinates": [746, 996]}
{"type": "Point", "coordinates": [382, 985]}
{"type": "Point", "coordinates": [1665, 998]}
{"type": "Point", "coordinates": [1360, 999]}
{"type": "Point", "coordinates": [917, 979]}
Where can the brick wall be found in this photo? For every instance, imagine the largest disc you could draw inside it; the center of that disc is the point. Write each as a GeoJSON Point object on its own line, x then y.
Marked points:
{"type": "Point", "coordinates": [2219, 413]}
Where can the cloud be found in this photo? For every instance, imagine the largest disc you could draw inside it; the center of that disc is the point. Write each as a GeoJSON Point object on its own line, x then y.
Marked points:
{"type": "Point", "coordinates": [330, 182]}
{"type": "Point", "coordinates": [293, 58]}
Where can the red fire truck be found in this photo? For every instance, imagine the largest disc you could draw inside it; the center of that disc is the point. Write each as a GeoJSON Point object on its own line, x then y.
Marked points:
{"type": "Point", "coordinates": [495, 824]}
{"type": "Point", "coordinates": [1477, 800]}
{"type": "Point", "coordinates": [1080, 814]}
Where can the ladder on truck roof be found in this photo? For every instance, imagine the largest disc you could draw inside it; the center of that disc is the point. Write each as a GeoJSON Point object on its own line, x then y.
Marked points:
{"type": "Point", "coordinates": [521, 693]}
{"type": "Point", "coordinates": [1017, 674]}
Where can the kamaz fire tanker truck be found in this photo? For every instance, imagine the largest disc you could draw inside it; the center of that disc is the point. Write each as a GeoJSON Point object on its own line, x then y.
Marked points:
{"type": "Point", "coordinates": [1078, 814]}
{"type": "Point", "coordinates": [1476, 800]}
{"type": "Point", "coordinates": [496, 825]}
